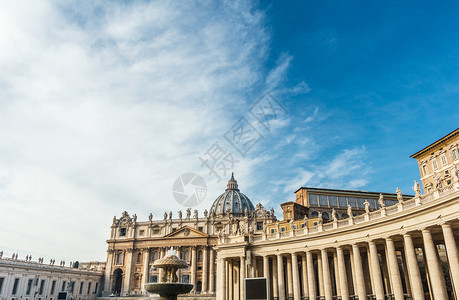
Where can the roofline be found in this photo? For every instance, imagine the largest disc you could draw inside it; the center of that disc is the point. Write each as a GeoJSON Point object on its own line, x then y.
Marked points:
{"type": "Point", "coordinates": [449, 135]}
{"type": "Point", "coordinates": [349, 191]}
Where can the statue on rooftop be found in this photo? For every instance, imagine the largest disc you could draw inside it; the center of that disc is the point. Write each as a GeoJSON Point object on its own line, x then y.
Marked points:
{"type": "Point", "coordinates": [399, 195]}
{"type": "Point", "coordinates": [165, 216]}
{"type": "Point", "coordinates": [180, 215]}
{"type": "Point", "coordinates": [367, 206]}
{"type": "Point", "coordinates": [381, 201]}
{"type": "Point", "coordinates": [349, 211]}
{"type": "Point", "coordinates": [333, 215]}
{"type": "Point", "coordinates": [417, 188]}
{"type": "Point", "coordinates": [188, 213]}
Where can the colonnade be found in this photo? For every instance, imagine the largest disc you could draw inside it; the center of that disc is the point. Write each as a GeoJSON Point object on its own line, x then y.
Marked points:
{"type": "Point", "coordinates": [406, 264]}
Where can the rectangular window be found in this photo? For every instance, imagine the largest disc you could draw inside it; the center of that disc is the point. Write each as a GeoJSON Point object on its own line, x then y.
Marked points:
{"type": "Point", "coordinates": [351, 202]}
{"type": "Point", "coordinates": [372, 203]}
{"type": "Point", "coordinates": [454, 154]}
{"type": "Point", "coordinates": [342, 201]}
{"type": "Point", "coordinates": [443, 160]}
{"type": "Point", "coordinates": [313, 199]}
{"type": "Point", "coordinates": [97, 286]}
{"type": "Point", "coordinates": [81, 288]}
{"type": "Point", "coordinates": [333, 200]}
{"type": "Point", "coordinates": [1, 284]}
{"type": "Point", "coordinates": [200, 228]}
{"type": "Point", "coordinates": [29, 286]}
{"type": "Point", "coordinates": [122, 231]}
{"type": "Point", "coordinates": [15, 286]}
{"type": "Point", "coordinates": [89, 288]}
{"type": "Point", "coordinates": [63, 286]}
{"type": "Point", "coordinates": [141, 232]}
{"type": "Point", "coordinates": [323, 200]}
{"type": "Point", "coordinates": [424, 169]}
{"type": "Point", "coordinates": [153, 278]}
{"type": "Point", "coordinates": [72, 286]}
{"type": "Point", "coordinates": [288, 215]}
{"type": "Point", "coordinates": [53, 287]}
{"type": "Point", "coordinates": [273, 230]}
{"type": "Point", "coordinates": [283, 228]}
{"type": "Point", "coordinates": [360, 202]}
{"type": "Point", "coordinates": [434, 164]}
{"type": "Point", "coordinates": [42, 286]}
{"type": "Point", "coordinates": [259, 225]}
{"type": "Point", "coordinates": [185, 278]}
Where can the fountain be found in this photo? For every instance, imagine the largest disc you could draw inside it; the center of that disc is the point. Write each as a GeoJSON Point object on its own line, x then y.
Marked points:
{"type": "Point", "coordinates": [169, 288]}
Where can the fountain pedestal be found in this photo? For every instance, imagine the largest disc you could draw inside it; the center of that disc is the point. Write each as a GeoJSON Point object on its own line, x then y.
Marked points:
{"type": "Point", "coordinates": [169, 288]}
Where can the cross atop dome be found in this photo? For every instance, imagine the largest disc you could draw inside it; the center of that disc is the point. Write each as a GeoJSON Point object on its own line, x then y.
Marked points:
{"type": "Point", "coordinates": [232, 184]}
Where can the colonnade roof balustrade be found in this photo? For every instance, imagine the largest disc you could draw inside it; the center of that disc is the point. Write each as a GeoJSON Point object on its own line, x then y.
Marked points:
{"type": "Point", "coordinates": [413, 214]}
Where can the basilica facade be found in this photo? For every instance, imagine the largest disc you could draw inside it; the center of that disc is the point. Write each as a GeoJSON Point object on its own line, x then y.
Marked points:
{"type": "Point", "coordinates": [330, 244]}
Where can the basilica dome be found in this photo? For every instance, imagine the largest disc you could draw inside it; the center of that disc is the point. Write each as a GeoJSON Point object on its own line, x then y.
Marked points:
{"type": "Point", "coordinates": [232, 201]}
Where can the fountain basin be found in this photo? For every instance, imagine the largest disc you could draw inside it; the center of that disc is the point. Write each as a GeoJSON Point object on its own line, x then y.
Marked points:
{"type": "Point", "coordinates": [168, 290]}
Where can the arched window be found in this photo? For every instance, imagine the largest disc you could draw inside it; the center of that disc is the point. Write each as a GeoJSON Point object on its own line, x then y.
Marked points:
{"type": "Point", "coordinates": [119, 258]}
{"type": "Point", "coordinates": [344, 215]}
{"type": "Point", "coordinates": [200, 256]}
{"type": "Point", "coordinates": [139, 257]}
{"type": "Point", "coordinates": [314, 214]}
{"type": "Point", "coordinates": [186, 255]}
{"type": "Point", "coordinates": [325, 216]}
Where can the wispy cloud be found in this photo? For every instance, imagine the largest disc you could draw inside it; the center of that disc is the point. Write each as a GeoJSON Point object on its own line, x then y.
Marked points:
{"type": "Point", "coordinates": [103, 106]}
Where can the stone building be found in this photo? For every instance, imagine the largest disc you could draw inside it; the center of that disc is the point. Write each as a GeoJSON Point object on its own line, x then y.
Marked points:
{"type": "Point", "coordinates": [133, 246]}
{"type": "Point", "coordinates": [404, 251]}
{"type": "Point", "coordinates": [437, 162]}
{"type": "Point", "coordinates": [36, 280]}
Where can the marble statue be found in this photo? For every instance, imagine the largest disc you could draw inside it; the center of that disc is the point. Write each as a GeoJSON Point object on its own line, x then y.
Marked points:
{"type": "Point", "coordinates": [349, 211]}
{"type": "Point", "coordinates": [381, 201]}
{"type": "Point", "coordinates": [367, 206]}
{"type": "Point", "coordinates": [180, 215]}
{"type": "Point", "coordinates": [417, 188]}
{"type": "Point", "coordinates": [333, 215]}
{"type": "Point", "coordinates": [188, 213]}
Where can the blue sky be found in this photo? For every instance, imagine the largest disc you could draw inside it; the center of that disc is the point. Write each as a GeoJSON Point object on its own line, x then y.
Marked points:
{"type": "Point", "coordinates": [103, 106]}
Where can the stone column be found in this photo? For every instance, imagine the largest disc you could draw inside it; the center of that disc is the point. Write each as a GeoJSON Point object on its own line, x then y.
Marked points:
{"type": "Point", "coordinates": [230, 286]}
{"type": "Point", "coordinates": [266, 268]}
{"type": "Point", "coordinates": [193, 268]}
{"type": "Point", "coordinates": [413, 268]}
{"type": "Point", "coordinates": [437, 279]}
{"type": "Point", "coordinates": [453, 256]}
{"type": "Point", "coordinates": [343, 285]}
{"type": "Point", "coordinates": [394, 270]}
{"type": "Point", "coordinates": [360, 283]}
{"type": "Point", "coordinates": [108, 271]}
{"type": "Point", "coordinates": [320, 275]}
{"type": "Point", "coordinates": [296, 278]}
{"type": "Point", "coordinates": [311, 279]}
{"type": "Point", "coordinates": [221, 283]}
{"type": "Point", "coordinates": [127, 278]}
{"type": "Point", "coordinates": [326, 275]}
{"type": "Point", "coordinates": [336, 271]}
{"type": "Point", "coordinates": [242, 276]}
{"type": "Point", "coordinates": [205, 269]}
{"type": "Point", "coordinates": [280, 275]}
{"type": "Point", "coordinates": [376, 271]}
{"type": "Point", "coordinates": [304, 269]}
{"type": "Point", "coordinates": [160, 271]}
{"type": "Point", "coordinates": [146, 267]}
{"type": "Point", "coordinates": [212, 272]}
{"type": "Point", "coordinates": [289, 278]}
{"type": "Point", "coordinates": [275, 279]}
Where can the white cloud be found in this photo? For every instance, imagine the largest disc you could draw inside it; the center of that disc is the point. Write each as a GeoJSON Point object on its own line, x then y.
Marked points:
{"type": "Point", "coordinates": [101, 108]}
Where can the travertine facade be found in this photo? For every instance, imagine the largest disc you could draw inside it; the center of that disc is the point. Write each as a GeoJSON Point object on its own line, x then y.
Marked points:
{"type": "Point", "coordinates": [30, 280]}
{"type": "Point", "coordinates": [134, 246]}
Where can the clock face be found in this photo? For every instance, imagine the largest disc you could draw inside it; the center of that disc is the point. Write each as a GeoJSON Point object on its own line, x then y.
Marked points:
{"type": "Point", "coordinates": [259, 213]}
{"type": "Point", "coordinates": [124, 221]}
